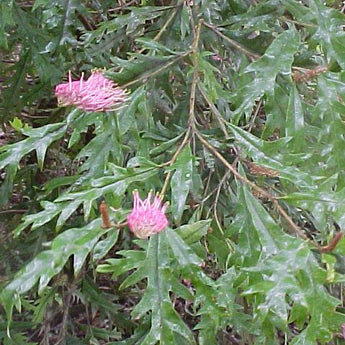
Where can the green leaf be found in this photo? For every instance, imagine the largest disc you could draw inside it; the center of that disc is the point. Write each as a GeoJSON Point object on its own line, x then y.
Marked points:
{"type": "Point", "coordinates": [18, 124]}
{"type": "Point", "coordinates": [277, 59]}
{"type": "Point", "coordinates": [38, 139]}
{"type": "Point", "coordinates": [46, 299]}
{"type": "Point", "coordinates": [6, 20]}
{"type": "Point", "coordinates": [50, 211]}
{"type": "Point", "coordinates": [77, 242]}
{"type": "Point", "coordinates": [143, 66]}
{"type": "Point", "coordinates": [271, 237]}
{"type": "Point", "coordinates": [181, 183]}
{"type": "Point", "coordinates": [7, 185]}
{"type": "Point", "coordinates": [185, 23]}
{"type": "Point", "coordinates": [69, 201]}
{"type": "Point", "coordinates": [192, 233]}
{"type": "Point", "coordinates": [268, 154]}
{"type": "Point", "coordinates": [165, 146]}
{"type": "Point", "coordinates": [330, 138]}
{"type": "Point", "coordinates": [328, 25]}
{"type": "Point", "coordinates": [102, 247]}
{"type": "Point", "coordinates": [155, 46]}
{"type": "Point", "coordinates": [165, 322]}
{"type": "Point", "coordinates": [295, 120]}
{"type": "Point", "coordinates": [323, 203]}
{"type": "Point", "coordinates": [182, 252]}
{"type": "Point", "coordinates": [127, 115]}
{"type": "Point", "coordinates": [66, 212]}
{"type": "Point", "coordinates": [11, 95]}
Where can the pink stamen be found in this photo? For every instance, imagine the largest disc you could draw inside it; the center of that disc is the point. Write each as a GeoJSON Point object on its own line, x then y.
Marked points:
{"type": "Point", "coordinates": [147, 218]}
{"type": "Point", "coordinates": [94, 94]}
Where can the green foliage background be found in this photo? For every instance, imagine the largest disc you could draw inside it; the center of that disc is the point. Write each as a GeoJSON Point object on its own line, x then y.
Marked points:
{"type": "Point", "coordinates": [236, 113]}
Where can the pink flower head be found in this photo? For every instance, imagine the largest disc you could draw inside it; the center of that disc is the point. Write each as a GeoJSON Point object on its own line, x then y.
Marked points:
{"type": "Point", "coordinates": [94, 94]}
{"type": "Point", "coordinates": [147, 218]}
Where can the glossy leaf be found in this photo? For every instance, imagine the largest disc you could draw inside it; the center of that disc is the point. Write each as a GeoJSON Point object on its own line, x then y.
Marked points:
{"type": "Point", "coordinates": [267, 154]}
{"type": "Point", "coordinates": [181, 183]}
{"type": "Point", "coordinates": [277, 59]}
{"type": "Point", "coordinates": [47, 264]}
{"type": "Point", "coordinates": [295, 120]}
{"type": "Point", "coordinates": [258, 85]}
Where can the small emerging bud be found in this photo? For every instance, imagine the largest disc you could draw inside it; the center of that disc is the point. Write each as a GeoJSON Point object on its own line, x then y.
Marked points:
{"type": "Point", "coordinates": [147, 218]}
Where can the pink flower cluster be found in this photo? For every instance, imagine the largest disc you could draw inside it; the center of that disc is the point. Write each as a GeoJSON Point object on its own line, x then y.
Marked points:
{"type": "Point", "coordinates": [147, 218]}
{"type": "Point", "coordinates": [94, 94]}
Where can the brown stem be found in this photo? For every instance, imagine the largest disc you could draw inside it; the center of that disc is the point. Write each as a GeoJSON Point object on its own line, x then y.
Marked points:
{"type": "Point", "coordinates": [167, 23]}
{"type": "Point", "coordinates": [191, 124]}
{"type": "Point", "coordinates": [157, 71]}
{"type": "Point", "coordinates": [252, 120]}
{"type": "Point", "coordinates": [84, 21]}
{"type": "Point", "coordinates": [194, 57]}
{"type": "Point", "coordinates": [13, 211]}
{"type": "Point", "coordinates": [263, 192]}
{"type": "Point", "coordinates": [172, 161]}
{"type": "Point", "coordinates": [252, 56]}
{"type": "Point", "coordinates": [214, 110]}
{"type": "Point", "coordinates": [215, 203]}
{"type": "Point", "coordinates": [326, 249]}
{"type": "Point", "coordinates": [165, 26]}
{"type": "Point", "coordinates": [311, 25]}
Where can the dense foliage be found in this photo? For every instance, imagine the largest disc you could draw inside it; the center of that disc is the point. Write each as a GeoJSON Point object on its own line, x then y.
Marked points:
{"type": "Point", "coordinates": [235, 114]}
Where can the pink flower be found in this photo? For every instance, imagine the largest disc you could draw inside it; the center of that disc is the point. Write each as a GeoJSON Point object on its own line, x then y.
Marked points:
{"type": "Point", "coordinates": [94, 94]}
{"type": "Point", "coordinates": [216, 57]}
{"type": "Point", "coordinates": [147, 218]}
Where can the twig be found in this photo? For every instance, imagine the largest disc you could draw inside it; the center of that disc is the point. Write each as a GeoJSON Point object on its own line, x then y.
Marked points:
{"type": "Point", "coordinates": [13, 211]}
{"type": "Point", "coordinates": [297, 22]}
{"type": "Point", "coordinates": [34, 116]}
{"type": "Point", "coordinates": [207, 196]}
{"type": "Point", "coordinates": [252, 56]}
{"type": "Point", "coordinates": [172, 161]}
{"type": "Point", "coordinates": [157, 71]}
{"type": "Point", "coordinates": [194, 57]}
{"type": "Point", "coordinates": [329, 248]}
{"type": "Point", "coordinates": [215, 203]}
{"type": "Point", "coordinates": [252, 120]}
{"type": "Point", "coordinates": [111, 10]}
{"type": "Point", "coordinates": [167, 23]}
{"type": "Point", "coordinates": [191, 123]}
{"type": "Point", "coordinates": [164, 27]}
{"type": "Point", "coordinates": [66, 306]}
{"type": "Point", "coordinates": [214, 110]}
{"type": "Point", "coordinates": [84, 21]}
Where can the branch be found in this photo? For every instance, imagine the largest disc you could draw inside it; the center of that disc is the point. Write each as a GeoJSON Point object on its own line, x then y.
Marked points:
{"type": "Point", "coordinates": [326, 249]}
{"type": "Point", "coordinates": [172, 161]}
{"type": "Point", "coordinates": [157, 71]}
{"type": "Point", "coordinates": [252, 56]}
{"type": "Point", "coordinates": [263, 192]}
{"type": "Point", "coordinates": [191, 123]}
{"type": "Point", "coordinates": [214, 110]}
